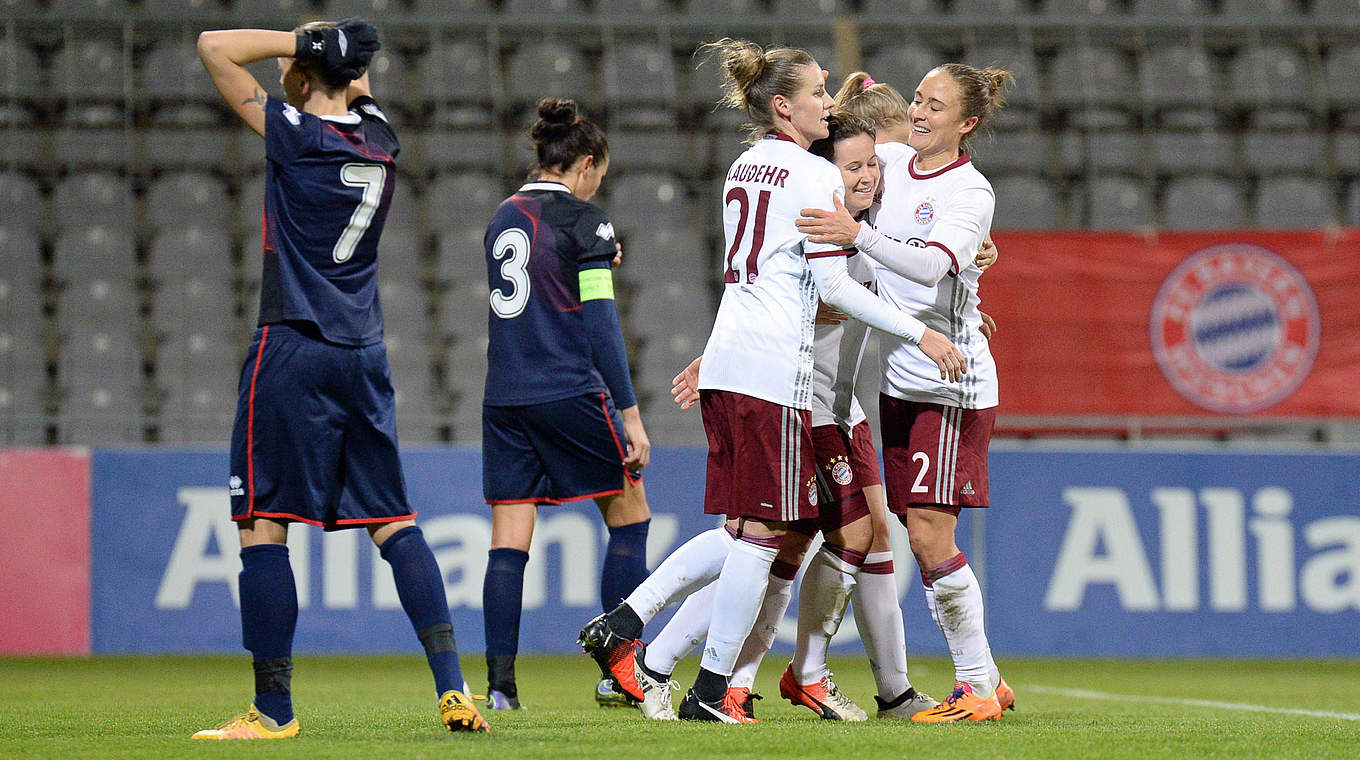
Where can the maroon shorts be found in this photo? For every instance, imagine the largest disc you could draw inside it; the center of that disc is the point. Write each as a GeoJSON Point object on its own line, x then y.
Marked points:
{"type": "Point", "coordinates": [934, 455]}
{"type": "Point", "coordinates": [845, 465]}
{"type": "Point", "coordinates": [760, 458]}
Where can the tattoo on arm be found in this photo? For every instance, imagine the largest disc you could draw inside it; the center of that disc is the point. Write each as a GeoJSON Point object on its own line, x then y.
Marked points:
{"type": "Point", "coordinates": [258, 98]}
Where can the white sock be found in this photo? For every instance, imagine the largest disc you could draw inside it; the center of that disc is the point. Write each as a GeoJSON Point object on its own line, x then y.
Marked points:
{"type": "Point", "coordinates": [879, 619]}
{"type": "Point", "coordinates": [740, 593]}
{"type": "Point", "coordinates": [689, 568]}
{"type": "Point", "coordinates": [777, 596]}
{"type": "Point", "coordinates": [685, 630]}
{"type": "Point", "coordinates": [958, 609]}
{"type": "Point", "coordinates": [822, 597]}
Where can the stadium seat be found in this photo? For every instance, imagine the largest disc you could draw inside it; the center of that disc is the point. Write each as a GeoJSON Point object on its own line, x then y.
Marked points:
{"type": "Point", "coordinates": [377, 10]}
{"type": "Point", "coordinates": [173, 71]}
{"type": "Point", "coordinates": [463, 308]}
{"type": "Point", "coordinates": [92, 353]}
{"type": "Point", "coordinates": [190, 251]}
{"type": "Point", "coordinates": [1203, 203]}
{"type": "Point", "coordinates": [1339, 75]}
{"type": "Point", "coordinates": [88, 8]}
{"type": "Point", "coordinates": [1332, 9]}
{"type": "Point", "coordinates": [405, 306]}
{"type": "Point", "coordinates": [179, 197]}
{"type": "Point", "coordinates": [105, 250]}
{"type": "Point", "coordinates": [198, 409]}
{"type": "Point", "coordinates": [462, 255]}
{"type": "Point", "coordinates": [1012, 150]}
{"type": "Point", "coordinates": [465, 199]}
{"type": "Point", "coordinates": [79, 149]}
{"type": "Point", "coordinates": [98, 301]}
{"type": "Point", "coordinates": [539, 7]}
{"type": "Point", "coordinates": [100, 409]}
{"type": "Point", "coordinates": [1191, 152]}
{"type": "Point", "coordinates": [250, 207]}
{"type": "Point", "coordinates": [1260, 9]}
{"type": "Point", "coordinates": [390, 83]}
{"type": "Point", "coordinates": [199, 147]}
{"type": "Point", "coordinates": [898, 8]}
{"type": "Point", "coordinates": [1267, 152]}
{"type": "Point", "coordinates": [465, 367]}
{"type": "Point", "coordinates": [458, 69]}
{"type": "Point", "coordinates": [1089, 9]}
{"type": "Point", "coordinates": [678, 251]}
{"type": "Point", "coordinates": [198, 303]}
{"type": "Point", "coordinates": [439, 9]}
{"type": "Point", "coordinates": [21, 205]}
{"type": "Point", "coordinates": [810, 9]}
{"type": "Point", "coordinates": [20, 71]}
{"type": "Point", "coordinates": [669, 307]}
{"type": "Point", "coordinates": [1298, 202]}
{"type": "Point", "coordinates": [404, 212]}
{"type": "Point", "coordinates": [89, 67]}
{"type": "Point", "coordinates": [1179, 75]}
{"type": "Point", "coordinates": [633, 8]}
{"type": "Point", "coordinates": [196, 356]}
{"type": "Point", "coordinates": [718, 11]}
{"type": "Point", "coordinates": [1345, 152]}
{"type": "Point", "coordinates": [646, 199]}
{"type": "Point", "coordinates": [1269, 76]}
{"type": "Point", "coordinates": [24, 391]}
{"type": "Point", "coordinates": [1091, 75]}
{"type": "Point", "coordinates": [401, 255]}
{"type": "Point", "coordinates": [1351, 211]}
{"type": "Point", "coordinates": [92, 198]}
{"type": "Point", "coordinates": [902, 64]}
{"type": "Point", "coordinates": [1119, 203]}
{"type": "Point", "coordinates": [1018, 60]}
{"type": "Point", "coordinates": [274, 14]}
{"type": "Point", "coordinates": [546, 68]}
{"type": "Point", "coordinates": [181, 9]}
{"type": "Point", "coordinates": [444, 149]}
{"type": "Point", "coordinates": [661, 149]}
{"type": "Point", "coordinates": [639, 72]}
{"type": "Point", "coordinates": [1024, 203]}
{"type": "Point", "coordinates": [1171, 9]}
{"type": "Point", "coordinates": [1120, 150]}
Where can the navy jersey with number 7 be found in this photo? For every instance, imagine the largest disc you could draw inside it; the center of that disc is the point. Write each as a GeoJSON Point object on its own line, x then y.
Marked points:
{"type": "Point", "coordinates": [538, 242]}
{"type": "Point", "coordinates": [328, 187]}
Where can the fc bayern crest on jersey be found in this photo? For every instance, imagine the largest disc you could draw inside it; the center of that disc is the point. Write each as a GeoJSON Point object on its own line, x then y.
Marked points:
{"type": "Point", "coordinates": [925, 212]}
{"type": "Point", "coordinates": [1235, 328]}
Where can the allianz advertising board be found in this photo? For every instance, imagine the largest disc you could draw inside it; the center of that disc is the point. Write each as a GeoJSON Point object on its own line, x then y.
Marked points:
{"type": "Point", "coordinates": [1118, 553]}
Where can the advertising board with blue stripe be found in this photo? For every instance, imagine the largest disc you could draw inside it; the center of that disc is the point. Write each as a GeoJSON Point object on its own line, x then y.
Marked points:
{"type": "Point", "coordinates": [1113, 553]}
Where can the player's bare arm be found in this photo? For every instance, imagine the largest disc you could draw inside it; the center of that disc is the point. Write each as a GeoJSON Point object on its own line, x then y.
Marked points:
{"type": "Point", "coordinates": [988, 254]}
{"type": "Point", "coordinates": [945, 355]}
{"type": "Point", "coordinates": [225, 54]}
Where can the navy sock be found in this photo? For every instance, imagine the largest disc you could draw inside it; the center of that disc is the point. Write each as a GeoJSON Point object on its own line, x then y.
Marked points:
{"type": "Point", "coordinates": [269, 612]}
{"type": "Point", "coordinates": [420, 586]}
{"type": "Point", "coordinates": [502, 598]}
{"type": "Point", "coordinates": [625, 563]}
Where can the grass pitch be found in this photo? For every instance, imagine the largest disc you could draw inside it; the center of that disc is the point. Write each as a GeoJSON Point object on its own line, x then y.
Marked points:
{"type": "Point", "coordinates": [383, 707]}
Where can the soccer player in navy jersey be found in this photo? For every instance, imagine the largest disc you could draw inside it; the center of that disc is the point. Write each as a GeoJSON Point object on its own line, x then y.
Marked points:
{"type": "Point", "coordinates": [560, 421]}
{"type": "Point", "coordinates": [315, 437]}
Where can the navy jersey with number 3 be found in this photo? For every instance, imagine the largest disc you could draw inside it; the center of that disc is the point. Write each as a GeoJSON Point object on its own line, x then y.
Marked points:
{"type": "Point", "coordinates": [538, 241]}
{"type": "Point", "coordinates": [328, 187]}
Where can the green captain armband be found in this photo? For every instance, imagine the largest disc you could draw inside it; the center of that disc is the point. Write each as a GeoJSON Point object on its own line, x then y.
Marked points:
{"type": "Point", "coordinates": [597, 284]}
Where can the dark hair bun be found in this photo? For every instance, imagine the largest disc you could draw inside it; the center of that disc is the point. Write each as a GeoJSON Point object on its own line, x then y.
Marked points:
{"type": "Point", "coordinates": [558, 111]}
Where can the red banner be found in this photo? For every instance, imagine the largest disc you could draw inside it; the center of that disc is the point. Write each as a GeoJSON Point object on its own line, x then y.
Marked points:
{"type": "Point", "coordinates": [1240, 324]}
{"type": "Point", "coordinates": [45, 551]}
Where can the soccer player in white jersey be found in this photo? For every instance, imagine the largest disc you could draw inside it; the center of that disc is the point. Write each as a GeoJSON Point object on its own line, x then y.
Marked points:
{"type": "Point", "coordinates": [935, 434]}
{"type": "Point", "coordinates": [852, 515]}
{"type": "Point", "coordinates": [756, 381]}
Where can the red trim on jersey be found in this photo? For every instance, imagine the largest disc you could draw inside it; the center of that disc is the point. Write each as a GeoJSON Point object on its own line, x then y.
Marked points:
{"type": "Point", "coordinates": [349, 137]}
{"type": "Point", "coordinates": [250, 426]}
{"type": "Point", "coordinates": [623, 454]}
{"type": "Point", "coordinates": [777, 135]}
{"type": "Point", "coordinates": [828, 254]}
{"type": "Point", "coordinates": [911, 167]}
{"type": "Point", "coordinates": [540, 500]}
{"type": "Point", "coordinates": [955, 259]}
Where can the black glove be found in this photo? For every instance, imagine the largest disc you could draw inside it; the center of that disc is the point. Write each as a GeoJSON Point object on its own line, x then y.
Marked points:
{"type": "Point", "coordinates": [344, 50]}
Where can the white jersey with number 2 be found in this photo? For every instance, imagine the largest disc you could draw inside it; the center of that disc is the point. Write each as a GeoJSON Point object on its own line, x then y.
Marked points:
{"type": "Point", "coordinates": [951, 209]}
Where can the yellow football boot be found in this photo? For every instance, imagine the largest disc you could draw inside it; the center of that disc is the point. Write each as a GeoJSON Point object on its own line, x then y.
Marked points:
{"type": "Point", "coordinates": [457, 713]}
{"type": "Point", "coordinates": [252, 725]}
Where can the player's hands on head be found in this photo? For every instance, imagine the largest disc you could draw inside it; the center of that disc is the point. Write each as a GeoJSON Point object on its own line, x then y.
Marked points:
{"type": "Point", "coordinates": [836, 226]}
{"type": "Point", "coordinates": [345, 49]}
{"type": "Point", "coordinates": [685, 386]}
{"type": "Point", "coordinates": [945, 355]}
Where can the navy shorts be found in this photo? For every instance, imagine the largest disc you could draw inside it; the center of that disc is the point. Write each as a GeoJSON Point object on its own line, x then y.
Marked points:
{"type": "Point", "coordinates": [553, 452]}
{"type": "Point", "coordinates": [315, 438]}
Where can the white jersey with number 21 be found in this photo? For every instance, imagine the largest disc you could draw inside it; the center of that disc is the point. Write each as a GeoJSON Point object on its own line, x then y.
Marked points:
{"type": "Point", "coordinates": [762, 339]}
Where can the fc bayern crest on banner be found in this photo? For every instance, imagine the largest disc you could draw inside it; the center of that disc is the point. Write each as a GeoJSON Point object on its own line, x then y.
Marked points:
{"type": "Point", "coordinates": [1235, 328]}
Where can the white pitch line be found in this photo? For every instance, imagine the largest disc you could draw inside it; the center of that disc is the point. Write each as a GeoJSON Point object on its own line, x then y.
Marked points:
{"type": "Point", "coordinates": [1083, 694]}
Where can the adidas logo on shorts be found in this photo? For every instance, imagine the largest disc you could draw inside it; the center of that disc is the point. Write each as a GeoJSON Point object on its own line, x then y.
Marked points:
{"type": "Point", "coordinates": [967, 489]}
